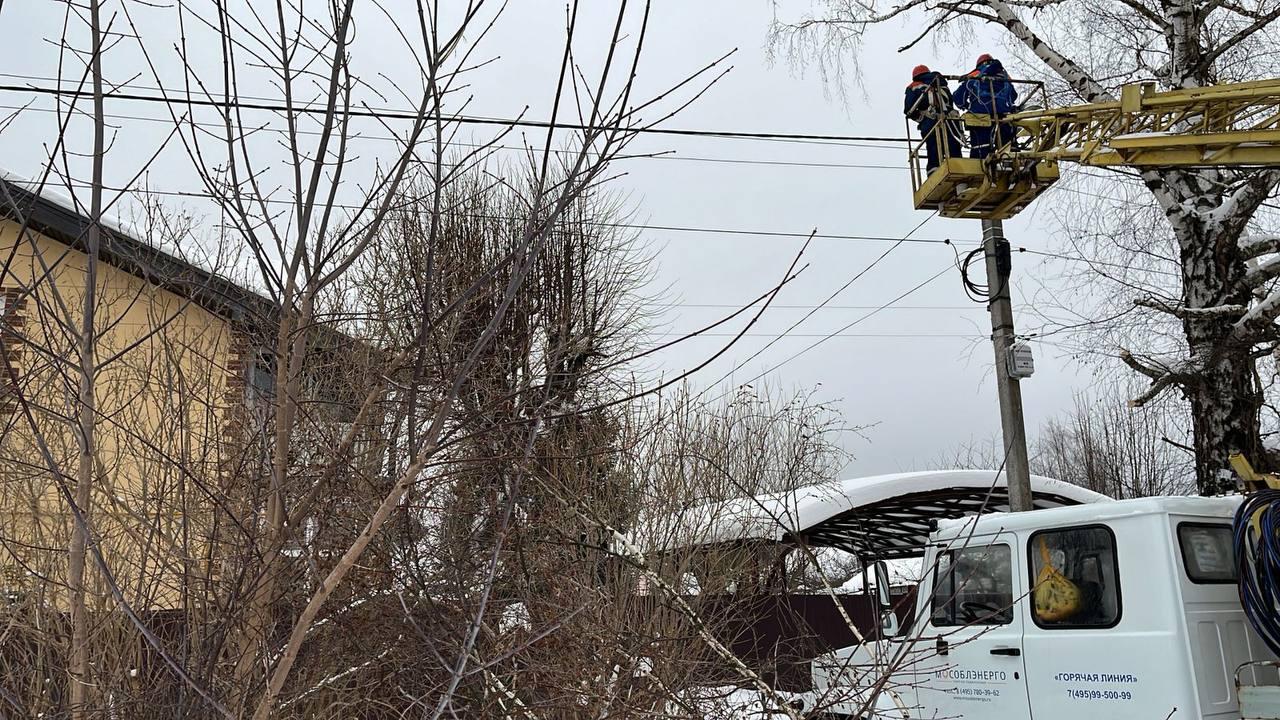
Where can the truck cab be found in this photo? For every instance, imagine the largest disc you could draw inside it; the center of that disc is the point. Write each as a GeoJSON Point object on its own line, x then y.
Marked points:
{"type": "Point", "coordinates": [1122, 609]}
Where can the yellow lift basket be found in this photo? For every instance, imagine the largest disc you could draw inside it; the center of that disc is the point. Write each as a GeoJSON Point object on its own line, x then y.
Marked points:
{"type": "Point", "coordinates": [1225, 125]}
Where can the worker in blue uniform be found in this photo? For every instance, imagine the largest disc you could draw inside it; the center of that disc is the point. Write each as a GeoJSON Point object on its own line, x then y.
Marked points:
{"type": "Point", "coordinates": [928, 102]}
{"type": "Point", "coordinates": [987, 91]}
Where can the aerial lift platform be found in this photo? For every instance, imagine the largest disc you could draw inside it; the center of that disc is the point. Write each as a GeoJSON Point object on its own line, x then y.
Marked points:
{"type": "Point", "coordinates": [1227, 125]}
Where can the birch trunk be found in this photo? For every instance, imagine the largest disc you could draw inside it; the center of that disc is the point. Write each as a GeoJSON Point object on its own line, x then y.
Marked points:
{"type": "Point", "coordinates": [1223, 395]}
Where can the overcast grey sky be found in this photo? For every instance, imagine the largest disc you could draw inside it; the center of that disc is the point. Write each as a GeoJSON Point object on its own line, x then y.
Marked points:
{"type": "Point", "coordinates": [917, 373]}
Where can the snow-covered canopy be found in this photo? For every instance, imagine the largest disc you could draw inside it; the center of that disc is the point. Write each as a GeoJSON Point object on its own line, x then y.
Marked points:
{"type": "Point", "coordinates": [880, 516]}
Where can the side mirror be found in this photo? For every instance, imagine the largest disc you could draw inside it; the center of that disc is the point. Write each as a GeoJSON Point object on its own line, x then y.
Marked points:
{"type": "Point", "coordinates": [881, 570]}
{"type": "Point", "coordinates": [888, 619]}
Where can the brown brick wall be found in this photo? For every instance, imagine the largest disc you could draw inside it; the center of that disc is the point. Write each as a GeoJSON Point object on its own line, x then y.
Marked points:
{"type": "Point", "coordinates": [12, 320]}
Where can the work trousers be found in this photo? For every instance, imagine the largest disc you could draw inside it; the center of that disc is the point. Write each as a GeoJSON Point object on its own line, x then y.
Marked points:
{"type": "Point", "coordinates": [934, 136]}
{"type": "Point", "coordinates": [982, 140]}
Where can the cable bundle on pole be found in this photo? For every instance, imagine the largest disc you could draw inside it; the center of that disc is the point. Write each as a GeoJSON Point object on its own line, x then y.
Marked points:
{"type": "Point", "coordinates": [1257, 551]}
{"type": "Point", "coordinates": [976, 291]}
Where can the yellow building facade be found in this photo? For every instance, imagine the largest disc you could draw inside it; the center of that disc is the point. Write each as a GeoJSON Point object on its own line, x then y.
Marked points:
{"type": "Point", "coordinates": [169, 373]}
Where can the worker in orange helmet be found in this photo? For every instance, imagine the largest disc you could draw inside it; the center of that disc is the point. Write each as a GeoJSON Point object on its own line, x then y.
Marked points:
{"type": "Point", "coordinates": [987, 91]}
{"type": "Point", "coordinates": [928, 102]}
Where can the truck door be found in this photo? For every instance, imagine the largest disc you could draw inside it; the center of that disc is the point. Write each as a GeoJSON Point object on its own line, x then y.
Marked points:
{"type": "Point", "coordinates": [1103, 637]}
{"type": "Point", "coordinates": [971, 665]}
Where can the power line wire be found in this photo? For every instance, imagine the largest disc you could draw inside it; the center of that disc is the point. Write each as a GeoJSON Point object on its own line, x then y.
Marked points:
{"type": "Point", "coordinates": [268, 104]}
{"type": "Point", "coordinates": [776, 306]}
{"type": "Point", "coordinates": [667, 155]}
{"type": "Point", "coordinates": [670, 155]}
{"type": "Point", "coordinates": [658, 156]}
{"type": "Point", "coordinates": [836, 333]}
{"type": "Point", "coordinates": [684, 228]}
{"type": "Point", "coordinates": [616, 225]}
{"type": "Point", "coordinates": [387, 113]}
{"type": "Point", "coordinates": [828, 299]}
{"type": "Point", "coordinates": [390, 114]}
{"type": "Point", "coordinates": [838, 290]}
{"type": "Point", "coordinates": [1099, 263]}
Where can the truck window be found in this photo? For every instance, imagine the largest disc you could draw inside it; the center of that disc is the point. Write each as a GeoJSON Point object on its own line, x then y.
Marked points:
{"type": "Point", "coordinates": [1074, 579]}
{"type": "Point", "coordinates": [1207, 552]}
{"type": "Point", "coordinates": [973, 586]}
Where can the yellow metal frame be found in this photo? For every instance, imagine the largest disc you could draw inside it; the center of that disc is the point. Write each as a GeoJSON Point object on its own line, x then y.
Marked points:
{"type": "Point", "coordinates": [1234, 124]}
{"type": "Point", "coordinates": [963, 187]}
{"type": "Point", "coordinates": [984, 195]}
{"type": "Point", "coordinates": [1252, 478]}
{"type": "Point", "coordinates": [1228, 125]}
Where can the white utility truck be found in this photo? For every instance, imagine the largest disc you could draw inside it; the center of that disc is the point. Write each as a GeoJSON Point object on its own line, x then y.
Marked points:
{"type": "Point", "coordinates": [1084, 607]}
{"type": "Point", "coordinates": [1125, 609]}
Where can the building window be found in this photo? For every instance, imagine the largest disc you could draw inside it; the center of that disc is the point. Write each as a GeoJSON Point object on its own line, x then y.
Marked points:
{"type": "Point", "coordinates": [1074, 579]}
{"type": "Point", "coordinates": [1207, 552]}
{"type": "Point", "coordinates": [262, 377]}
{"type": "Point", "coordinates": [973, 586]}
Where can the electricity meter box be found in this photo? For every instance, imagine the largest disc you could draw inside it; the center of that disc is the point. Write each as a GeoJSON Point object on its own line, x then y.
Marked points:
{"type": "Point", "coordinates": [1019, 361]}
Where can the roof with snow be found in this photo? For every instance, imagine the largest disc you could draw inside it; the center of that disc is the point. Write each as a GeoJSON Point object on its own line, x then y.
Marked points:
{"type": "Point", "coordinates": [883, 516]}
{"type": "Point", "coordinates": [46, 210]}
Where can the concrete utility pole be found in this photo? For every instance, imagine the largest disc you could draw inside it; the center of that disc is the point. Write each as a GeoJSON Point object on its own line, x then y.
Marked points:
{"type": "Point", "coordinates": [999, 263]}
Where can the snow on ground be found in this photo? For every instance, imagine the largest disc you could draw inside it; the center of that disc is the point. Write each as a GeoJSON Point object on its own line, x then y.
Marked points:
{"type": "Point", "coordinates": [734, 703]}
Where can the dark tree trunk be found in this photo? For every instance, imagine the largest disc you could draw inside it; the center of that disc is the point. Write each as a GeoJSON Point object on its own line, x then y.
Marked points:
{"type": "Point", "coordinates": [1224, 408]}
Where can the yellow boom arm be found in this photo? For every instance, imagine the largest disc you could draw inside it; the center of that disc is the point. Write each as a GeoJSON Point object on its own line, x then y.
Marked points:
{"type": "Point", "coordinates": [1228, 125]}
{"type": "Point", "coordinates": [1224, 125]}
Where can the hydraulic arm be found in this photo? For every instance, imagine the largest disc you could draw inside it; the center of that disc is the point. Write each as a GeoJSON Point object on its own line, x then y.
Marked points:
{"type": "Point", "coordinates": [1228, 125]}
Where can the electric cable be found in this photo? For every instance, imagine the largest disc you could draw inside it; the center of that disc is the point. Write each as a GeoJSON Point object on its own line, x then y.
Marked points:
{"type": "Point", "coordinates": [670, 156]}
{"type": "Point", "coordinates": [834, 334]}
{"type": "Point", "coordinates": [977, 292]}
{"type": "Point", "coordinates": [396, 114]}
{"type": "Point", "coordinates": [857, 276]}
{"type": "Point", "coordinates": [1257, 550]}
{"type": "Point", "coordinates": [778, 306]}
{"type": "Point", "coordinates": [675, 228]}
{"type": "Point", "coordinates": [664, 155]}
{"type": "Point", "coordinates": [615, 225]}
{"type": "Point", "coordinates": [829, 336]}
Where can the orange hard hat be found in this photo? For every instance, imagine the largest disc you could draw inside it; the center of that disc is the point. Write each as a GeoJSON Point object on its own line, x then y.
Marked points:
{"type": "Point", "coordinates": [983, 58]}
{"type": "Point", "coordinates": [917, 70]}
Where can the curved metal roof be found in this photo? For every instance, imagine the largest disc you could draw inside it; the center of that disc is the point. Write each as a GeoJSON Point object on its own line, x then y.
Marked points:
{"type": "Point", "coordinates": [883, 516]}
